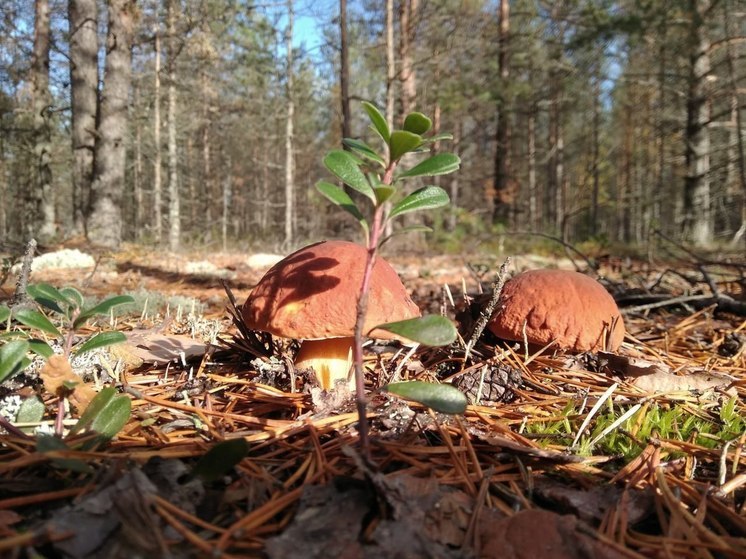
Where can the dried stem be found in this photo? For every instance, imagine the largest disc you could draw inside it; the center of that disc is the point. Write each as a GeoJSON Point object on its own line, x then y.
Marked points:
{"type": "Point", "coordinates": [486, 313]}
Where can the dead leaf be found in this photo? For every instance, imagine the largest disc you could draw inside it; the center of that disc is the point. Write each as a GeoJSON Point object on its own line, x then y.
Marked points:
{"type": "Point", "coordinates": [657, 378]}
{"type": "Point", "coordinates": [156, 349]}
{"type": "Point", "coordinates": [540, 533]}
{"type": "Point", "coordinates": [57, 371]}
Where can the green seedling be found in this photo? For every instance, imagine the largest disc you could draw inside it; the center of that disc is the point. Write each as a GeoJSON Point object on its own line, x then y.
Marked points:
{"type": "Point", "coordinates": [379, 178]}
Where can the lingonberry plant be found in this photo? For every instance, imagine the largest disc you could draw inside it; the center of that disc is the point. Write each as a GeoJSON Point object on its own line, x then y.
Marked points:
{"type": "Point", "coordinates": [380, 178]}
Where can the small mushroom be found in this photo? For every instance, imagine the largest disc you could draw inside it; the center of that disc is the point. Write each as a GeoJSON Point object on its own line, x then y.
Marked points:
{"type": "Point", "coordinates": [569, 308]}
{"type": "Point", "coordinates": [312, 295]}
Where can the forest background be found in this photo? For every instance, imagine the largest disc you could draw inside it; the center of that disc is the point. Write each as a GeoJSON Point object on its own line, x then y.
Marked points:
{"type": "Point", "coordinates": [204, 122]}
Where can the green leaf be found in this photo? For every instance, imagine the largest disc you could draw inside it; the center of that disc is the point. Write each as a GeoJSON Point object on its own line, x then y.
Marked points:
{"type": "Point", "coordinates": [425, 198]}
{"type": "Point", "coordinates": [102, 339]}
{"type": "Point", "coordinates": [35, 319]}
{"type": "Point", "coordinates": [383, 193]}
{"type": "Point", "coordinates": [364, 150]}
{"type": "Point", "coordinates": [402, 142]}
{"type": "Point", "coordinates": [378, 120]}
{"type": "Point", "coordinates": [340, 198]}
{"type": "Point", "coordinates": [440, 164]}
{"type": "Point", "coordinates": [442, 398]}
{"type": "Point", "coordinates": [220, 459]}
{"type": "Point", "coordinates": [417, 123]}
{"type": "Point", "coordinates": [31, 411]}
{"type": "Point", "coordinates": [12, 356]}
{"type": "Point", "coordinates": [47, 443]}
{"type": "Point", "coordinates": [106, 414]}
{"type": "Point", "coordinates": [4, 313]}
{"type": "Point", "coordinates": [47, 296]}
{"type": "Point", "coordinates": [40, 347]}
{"type": "Point", "coordinates": [432, 330]}
{"type": "Point", "coordinates": [73, 295]}
{"type": "Point", "coordinates": [344, 166]}
{"type": "Point", "coordinates": [102, 308]}
{"type": "Point", "coordinates": [438, 137]}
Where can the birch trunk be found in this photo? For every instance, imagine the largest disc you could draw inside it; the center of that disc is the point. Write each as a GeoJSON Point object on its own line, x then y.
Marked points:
{"type": "Point", "coordinates": [289, 161]}
{"type": "Point", "coordinates": [104, 222]}
{"type": "Point", "coordinates": [408, 12]}
{"type": "Point", "coordinates": [174, 196]}
{"type": "Point", "coordinates": [157, 154]}
{"type": "Point", "coordinates": [83, 24]}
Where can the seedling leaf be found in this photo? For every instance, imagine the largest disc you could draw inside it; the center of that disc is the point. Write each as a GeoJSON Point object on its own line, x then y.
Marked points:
{"type": "Point", "coordinates": [102, 339]}
{"type": "Point", "coordinates": [73, 295]}
{"type": "Point", "coordinates": [47, 296]}
{"type": "Point", "coordinates": [439, 164]}
{"type": "Point", "coordinates": [442, 398]}
{"type": "Point", "coordinates": [364, 150]}
{"type": "Point", "coordinates": [340, 198]}
{"type": "Point", "coordinates": [402, 142]}
{"type": "Point", "coordinates": [344, 166]}
{"type": "Point", "coordinates": [35, 319]}
{"type": "Point", "coordinates": [49, 443]}
{"type": "Point", "coordinates": [40, 347]}
{"type": "Point", "coordinates": [426, 198]}
{"type": "Point", "coordinates": [102, 308]}
{"type": "Point", "coordinates": [12, 356]}
{"type": "Point", "coordinates": [30, 411]}
{"type": "Point", "coordinates": [431, 330]}
{"type": "Point", "coordinates": [106, 414]}
{"type": "Point", "coordinates": [417, 123]}
{"type": "Point", "coordinates": [4, 313]}
{"type": "Point", "coordinates": [220, 459]}
{"type": "Point", "coordinates": [378, 120]}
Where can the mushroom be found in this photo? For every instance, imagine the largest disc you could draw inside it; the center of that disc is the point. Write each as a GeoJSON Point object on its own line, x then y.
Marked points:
{"type": "Point", "coordinates": [568, 308]}
{"type": "Point", "coordinates": [312, 295]}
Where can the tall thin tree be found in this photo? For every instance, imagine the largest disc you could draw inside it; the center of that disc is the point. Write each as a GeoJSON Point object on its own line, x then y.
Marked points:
{"type": "Point", "coordinates": [83, 24]}
{"type": "Point", "coordinates": [289, 144]}
{"type": "Point", "coordinates": [104, 220]}
{"type": "Point", "coordinates": [174, 195]}
{"type": "Point", "coordinates": [42, 224]}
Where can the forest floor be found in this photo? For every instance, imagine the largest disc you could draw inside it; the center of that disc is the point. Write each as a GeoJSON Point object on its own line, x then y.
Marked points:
{"type": "Point", "coordinates": [635, 453]}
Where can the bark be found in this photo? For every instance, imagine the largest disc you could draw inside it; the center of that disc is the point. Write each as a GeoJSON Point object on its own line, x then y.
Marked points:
{"type": "Point", "coordinates": [104, 220]}
{"type": "Point", "coordinates": [83, 23]}
{"type": "Point", "coordinates": [699, 227]}
{"type": "Point", "coordinates": [505, 187]}
{"type": "Point", "coordinates": [407, 15]}
{"type": "Point", "coordinates": [42, 224]}
{"type": "Point", "coordinates": [390, 64]}
{"type": "Point", "coordinates": [206, 153]}
{"type": "Point", "coordinates": [174, 196]}
{"type": "Point", "coordinates": [344, 70]}
{"type": "Point", "coordinates": [289, 160]}
{"type": "Point", "coordinates": [157, 154]}
{"type": "Point", "coordinates": [595, 151]}
{"type": "Point", "coordinates": [138, 170]}
{"type": "Point", "coordinates": [533, 195]}
{"type": "Point", "coordinates": [454, 186]}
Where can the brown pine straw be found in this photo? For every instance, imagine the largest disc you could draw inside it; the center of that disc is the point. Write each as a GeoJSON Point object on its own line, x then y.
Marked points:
{"type": "Point", "coordinates": [40, 498]}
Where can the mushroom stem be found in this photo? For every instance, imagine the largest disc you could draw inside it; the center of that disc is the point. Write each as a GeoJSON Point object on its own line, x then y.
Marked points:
{"type": "Point", "coordinates": [330, 359]}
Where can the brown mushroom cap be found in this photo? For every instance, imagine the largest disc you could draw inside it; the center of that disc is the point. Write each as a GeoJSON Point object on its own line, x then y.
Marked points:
{"type": "Point", "coordinates": [313, 293]}
{"type": "Point", "coordinates": [569, 308]}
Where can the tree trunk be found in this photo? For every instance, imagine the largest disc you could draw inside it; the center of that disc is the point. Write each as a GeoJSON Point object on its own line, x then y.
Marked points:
{"type": "Point", "coordinates": [533, 195]}
{"type": "Point", "coordinates": [454, 185]}
{"type": "Point", "coordinates": [137, 171]}
{"type": "Point", "coordinates": [505, 195]}
{"type": "Point", "coordinates": [344, 70]}
{"type": "Point", "coordinates": [83, 24]}
{"type": "Point", "coordinates": [42, 206]}
{"type": "Point", "coordinates": [206, 155]}
{"type": "Point", "coordinates": [289, 160]}
{"type": "Point", "coordinates": [699, 226]}
{"type": "Point", "coordinates": [104, 221]}
{"type": "Point", "coordinates": [227, 198]}
{"type": "Point", "coordinates": [407, 14]}
{"type": "Point", "coordinates": [174, 196]}
{"type": "Point", "coordinates": [595, 151]}
{"type": "Point", "coordinates": [390, 64]}
{"type": "Point", "coordinates": [157, 154]}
